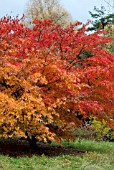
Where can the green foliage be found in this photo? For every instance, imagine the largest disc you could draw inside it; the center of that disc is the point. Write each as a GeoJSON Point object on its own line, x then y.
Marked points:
{"type": "Point", "coordinates": [101, 18]}
{"type": "Point", "coordinates": [96, 130]}
{"type": "Point", "coordinates": [101, 129]}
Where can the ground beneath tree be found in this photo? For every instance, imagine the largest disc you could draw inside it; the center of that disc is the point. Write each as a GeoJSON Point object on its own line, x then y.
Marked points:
{"type": "Point", "coordinates": [20, 149]}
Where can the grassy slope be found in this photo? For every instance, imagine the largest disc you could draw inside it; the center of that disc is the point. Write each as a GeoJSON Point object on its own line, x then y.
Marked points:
{"type": "Point", "coordinates": [99, 156]}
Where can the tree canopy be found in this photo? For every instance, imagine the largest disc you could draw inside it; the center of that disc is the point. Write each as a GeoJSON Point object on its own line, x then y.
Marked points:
{"type": "Point", "coordinates": [45, 83]}
{"type": "Point", "coordinates": [47, 9]}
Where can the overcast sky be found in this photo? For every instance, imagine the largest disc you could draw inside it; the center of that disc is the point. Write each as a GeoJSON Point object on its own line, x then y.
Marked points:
{"type": "Point", "coordinates": [78, 8]}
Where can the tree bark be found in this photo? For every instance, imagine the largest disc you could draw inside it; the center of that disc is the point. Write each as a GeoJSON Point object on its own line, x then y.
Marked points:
{"type": "Point", "coordinates": [32, 141]}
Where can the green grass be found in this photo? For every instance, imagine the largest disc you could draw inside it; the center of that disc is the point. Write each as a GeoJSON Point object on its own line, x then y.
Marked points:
{"type": "Point", "coordinates": [92, 146]}
{"type": "Point", "coordinates": [99, 156]}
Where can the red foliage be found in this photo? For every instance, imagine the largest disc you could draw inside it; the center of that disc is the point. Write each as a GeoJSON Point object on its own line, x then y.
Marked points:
{"type": "Point", "coordinates": [46, 81]}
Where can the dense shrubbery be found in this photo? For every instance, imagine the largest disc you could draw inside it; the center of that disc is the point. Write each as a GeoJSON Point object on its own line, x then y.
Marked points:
{"type": "Point", "coordinates": [96, 130]}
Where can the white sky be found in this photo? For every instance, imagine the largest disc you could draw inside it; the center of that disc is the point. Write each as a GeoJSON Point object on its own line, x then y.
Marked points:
{"type": "Point", "coordinates": [78, 8]}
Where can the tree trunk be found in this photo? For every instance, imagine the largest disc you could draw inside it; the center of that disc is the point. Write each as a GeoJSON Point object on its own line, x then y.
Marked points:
{"type": "Point", "coordinates": [32, 141]}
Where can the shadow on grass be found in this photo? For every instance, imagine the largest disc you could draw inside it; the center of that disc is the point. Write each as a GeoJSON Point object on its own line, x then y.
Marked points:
{"type": "Point", "coordinates": [16, 148]}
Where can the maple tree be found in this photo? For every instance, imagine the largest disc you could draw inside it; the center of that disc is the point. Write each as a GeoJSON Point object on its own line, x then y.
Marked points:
{"type": "Point", "coordinates": [46, 83]}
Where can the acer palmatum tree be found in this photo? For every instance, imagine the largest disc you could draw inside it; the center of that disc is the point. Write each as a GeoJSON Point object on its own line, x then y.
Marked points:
{"type": "Point", "coordinates": [46, 83]}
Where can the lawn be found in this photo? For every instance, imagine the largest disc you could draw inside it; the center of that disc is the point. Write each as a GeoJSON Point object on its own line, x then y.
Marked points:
{"type": "Point", "coordinates": [96, 156]}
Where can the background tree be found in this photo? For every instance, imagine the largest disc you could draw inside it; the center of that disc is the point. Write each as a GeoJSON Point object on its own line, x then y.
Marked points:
{"type": "Point", "coordinates": [101, 18]}
{"type": "Point", "coordinates": [110, 29]}
{"type": "Point", "coordinates": [47, 9]}
{"type": "Point", "coordinates": [105, 21]}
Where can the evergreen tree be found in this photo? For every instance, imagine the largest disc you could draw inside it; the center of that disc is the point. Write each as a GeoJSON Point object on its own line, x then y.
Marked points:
{"type": "Point", "coordinates": [100, 18]}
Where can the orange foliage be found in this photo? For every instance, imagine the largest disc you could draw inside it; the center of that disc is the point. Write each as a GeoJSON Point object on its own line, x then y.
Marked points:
{"type": "Point", "coordinates": [45, 81]}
